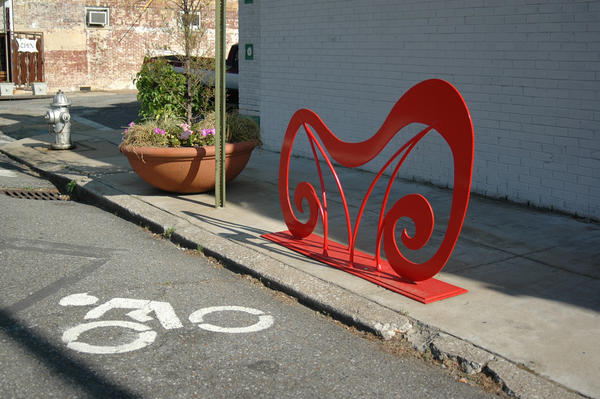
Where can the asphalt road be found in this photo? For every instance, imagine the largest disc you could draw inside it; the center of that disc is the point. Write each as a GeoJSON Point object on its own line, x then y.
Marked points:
{"type": "Point", "coordinates": [112, 110]}
{"type": "Point", "coordinates": [94, 306]}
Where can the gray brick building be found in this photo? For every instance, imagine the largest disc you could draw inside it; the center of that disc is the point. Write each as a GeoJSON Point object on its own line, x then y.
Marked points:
{"type": "Point", "coordinates": [528, 70]}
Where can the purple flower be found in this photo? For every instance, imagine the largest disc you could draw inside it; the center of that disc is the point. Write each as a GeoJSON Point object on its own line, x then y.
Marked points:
{"type": "Point", "coordinates": [159, 131]}
{"type": "Point", "coordinates": [187, 132]}
{"type": "Point", "coordinates": [208, 132]}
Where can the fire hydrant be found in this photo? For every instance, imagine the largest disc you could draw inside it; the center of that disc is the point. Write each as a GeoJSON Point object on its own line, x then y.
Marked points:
{"type": "Point", "coordinates": [59, 122]}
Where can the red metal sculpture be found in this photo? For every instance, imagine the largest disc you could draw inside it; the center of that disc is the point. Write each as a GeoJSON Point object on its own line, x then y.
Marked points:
{"type": "Point", "coordinates": [439, 106]}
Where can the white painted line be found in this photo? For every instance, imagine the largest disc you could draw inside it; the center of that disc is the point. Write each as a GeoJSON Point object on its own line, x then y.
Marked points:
{"type": "Point", "coordinates": [144, 339]}
{"type": "Point", "coordinates": [264, 321]}
{"type": "Point", "coordinates": [91, 123]}
{"type": "Point", "coordinates": [82, 299]}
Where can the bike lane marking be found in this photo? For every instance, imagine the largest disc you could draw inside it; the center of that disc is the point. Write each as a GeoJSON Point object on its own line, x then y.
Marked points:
{"type": "Point", "coordinates": [81, 299]}
{"type": "Point", "coordinates": [264, 321]}
{"type": "Point", "coordinates": [145, 338]}
{"type": "Point", "coordinates": [142, 308]}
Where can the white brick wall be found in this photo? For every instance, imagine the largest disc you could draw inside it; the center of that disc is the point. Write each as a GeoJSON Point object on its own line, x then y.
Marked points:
{"type": "Point", "coordinates": [528, 70]}
{"type": "Point", "coordinates": [249, 86]}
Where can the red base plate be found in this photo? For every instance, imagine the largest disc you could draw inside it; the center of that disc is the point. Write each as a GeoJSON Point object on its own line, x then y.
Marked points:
{"type": "Point", "coordinates": [426, 291]}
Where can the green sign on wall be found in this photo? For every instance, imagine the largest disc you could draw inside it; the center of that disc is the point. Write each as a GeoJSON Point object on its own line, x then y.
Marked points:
{"type": "Point", "coordinates": [249, 51]}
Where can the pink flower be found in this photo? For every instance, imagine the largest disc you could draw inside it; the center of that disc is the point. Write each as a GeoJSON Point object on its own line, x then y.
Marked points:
{"type": "Point", "coordinates": [208, 132]}
{"type": "Point", "coordinates": [159, 131]}
{"type": "Point", "coordinates": [131, 124]}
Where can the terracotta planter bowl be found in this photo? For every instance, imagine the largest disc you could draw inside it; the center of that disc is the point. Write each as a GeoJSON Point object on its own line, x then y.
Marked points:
{"type": "Point", "coordinates": [186, 169]}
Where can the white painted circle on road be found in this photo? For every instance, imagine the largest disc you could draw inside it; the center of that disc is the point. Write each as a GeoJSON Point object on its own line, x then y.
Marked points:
{"type": "Point", "coordinates": [264, 321]}
{"type": "Point", "coordinates": [145, 337]}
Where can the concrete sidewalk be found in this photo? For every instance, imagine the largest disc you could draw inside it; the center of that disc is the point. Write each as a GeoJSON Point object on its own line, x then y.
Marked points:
{"type": "Point", "coordinates": [532, 313]}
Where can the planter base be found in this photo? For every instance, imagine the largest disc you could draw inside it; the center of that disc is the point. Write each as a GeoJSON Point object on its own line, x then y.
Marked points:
{"type": "Point", "coordinates": [187, 170]}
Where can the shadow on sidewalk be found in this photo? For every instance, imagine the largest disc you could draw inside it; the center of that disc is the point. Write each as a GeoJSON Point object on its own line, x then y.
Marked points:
{"type": "Point", "coordinates": [250, 237]}
{"type": "Point", "coordinates": [19, 126]}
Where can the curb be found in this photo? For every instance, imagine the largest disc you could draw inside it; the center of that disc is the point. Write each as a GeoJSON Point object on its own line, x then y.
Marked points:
{"type": "Point", "coordinates": [25, 97]}
{"type": "Point", "coordinates": [516, 380]}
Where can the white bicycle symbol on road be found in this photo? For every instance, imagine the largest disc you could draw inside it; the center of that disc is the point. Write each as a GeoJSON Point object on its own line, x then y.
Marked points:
{"type": "Point", "coordinates": [142, 308]}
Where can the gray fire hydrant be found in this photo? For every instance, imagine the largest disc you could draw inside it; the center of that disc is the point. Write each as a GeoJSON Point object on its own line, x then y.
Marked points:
{"type": "Point", "coordinates": [59, 122]}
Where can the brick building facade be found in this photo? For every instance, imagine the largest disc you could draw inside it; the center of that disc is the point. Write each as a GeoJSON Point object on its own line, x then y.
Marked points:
{"type": "Point", "coordinates": [79, 54]}
{"type": "Point", "coordinates": [528, 71]}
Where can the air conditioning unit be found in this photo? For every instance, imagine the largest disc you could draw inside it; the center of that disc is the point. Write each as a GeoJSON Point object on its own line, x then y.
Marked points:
{"type": "Point", "coordinates": [97, 17]}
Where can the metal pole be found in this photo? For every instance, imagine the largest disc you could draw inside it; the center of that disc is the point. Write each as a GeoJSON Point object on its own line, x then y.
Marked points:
{"type": "Point", "coordinates": [220, 104]}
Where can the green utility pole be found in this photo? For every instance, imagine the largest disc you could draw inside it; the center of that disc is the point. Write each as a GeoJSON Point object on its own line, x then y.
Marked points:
{"type": "Point", "coordinates": [220, 104]}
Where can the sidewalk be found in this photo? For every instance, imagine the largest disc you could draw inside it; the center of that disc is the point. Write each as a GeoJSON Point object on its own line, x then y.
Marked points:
{"type": "Point", "coordinates": [532, 313]}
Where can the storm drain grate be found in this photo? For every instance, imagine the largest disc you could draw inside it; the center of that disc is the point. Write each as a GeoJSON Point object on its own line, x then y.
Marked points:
{"type": "Point", "coordinates": [36, 194]}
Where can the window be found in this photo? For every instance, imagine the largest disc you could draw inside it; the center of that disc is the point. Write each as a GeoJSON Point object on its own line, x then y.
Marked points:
{"type": "Point", "coordinates": [194, 20]}
{"type": "Point", "coordinates": [97, 16]}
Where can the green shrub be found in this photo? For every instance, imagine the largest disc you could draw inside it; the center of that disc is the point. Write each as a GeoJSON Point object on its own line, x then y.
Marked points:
{"type": "Point", "coordinates": [241, 128]}
{"type": "Point", "coordinates": [162, 92]}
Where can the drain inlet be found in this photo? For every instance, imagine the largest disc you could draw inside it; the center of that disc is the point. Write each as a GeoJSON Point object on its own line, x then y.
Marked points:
{"type": "Point", "coordinates": [35, 194]}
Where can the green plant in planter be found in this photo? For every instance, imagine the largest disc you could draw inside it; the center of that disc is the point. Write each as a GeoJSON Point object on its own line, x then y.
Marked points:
{"type": "Point", "coordinates": [162, 92]}
{"type": "Point", "coordinates": [170, 131]}
{"type": "Point", "coordinates": [177, 111]}
{"type": "Point", "coordinates": [175, 156]}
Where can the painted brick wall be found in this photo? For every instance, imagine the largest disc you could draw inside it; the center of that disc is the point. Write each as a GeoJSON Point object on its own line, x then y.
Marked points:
{"type": "Point", "coordinates": [528, 70]}
{"type": "Point", "coordinates": [106, 57]}
{"type": "Point", "coordinates": [249, 86]}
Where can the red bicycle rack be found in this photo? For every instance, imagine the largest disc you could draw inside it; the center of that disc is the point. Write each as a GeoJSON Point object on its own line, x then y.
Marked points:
{"type": "Point", "coordinates": [433, 103]}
